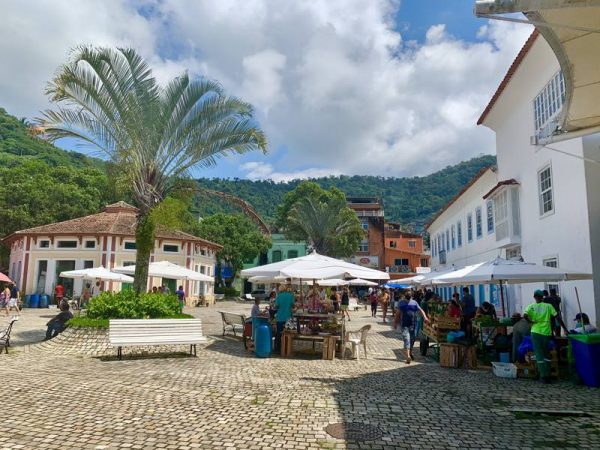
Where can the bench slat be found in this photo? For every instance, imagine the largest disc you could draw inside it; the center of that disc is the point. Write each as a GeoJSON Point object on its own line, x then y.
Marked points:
{"type": "Point", "coordinates": [130, 332]}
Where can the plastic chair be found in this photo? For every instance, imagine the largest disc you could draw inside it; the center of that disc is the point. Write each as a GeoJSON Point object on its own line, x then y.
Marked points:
{"type": "Point", "coordinates": [355, 338]}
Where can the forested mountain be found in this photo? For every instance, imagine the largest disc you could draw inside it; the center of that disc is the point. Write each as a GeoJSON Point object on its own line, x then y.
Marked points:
{"type": "Point", "coordinates": [40, 183]}
{"type": "Point", "coordinates": [410, 201]}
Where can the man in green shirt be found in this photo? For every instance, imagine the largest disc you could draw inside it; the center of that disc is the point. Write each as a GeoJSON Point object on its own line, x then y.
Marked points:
{"type": "Point", "coordinates": [539, 315]}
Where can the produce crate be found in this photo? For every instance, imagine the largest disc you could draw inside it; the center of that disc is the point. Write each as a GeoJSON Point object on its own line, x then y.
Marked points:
{"type": "Point", "coordinates": [447, 323]}
{"type": "Point", "coordinates": [450, 355]}
{"type": "Point", "coordinates": [434, 333]}
{"type": "Point", "coordinates": [526, 370]}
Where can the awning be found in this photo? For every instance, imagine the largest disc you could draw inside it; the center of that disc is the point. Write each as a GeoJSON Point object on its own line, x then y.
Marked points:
{"type": "Point", "coordinates": [572, 29]}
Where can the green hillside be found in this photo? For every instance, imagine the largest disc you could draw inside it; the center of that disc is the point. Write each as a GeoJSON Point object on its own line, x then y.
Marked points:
{"type": "Point", "coordinates": [41, 183]}
{"type": "Point", "coordinates": [410, 201]}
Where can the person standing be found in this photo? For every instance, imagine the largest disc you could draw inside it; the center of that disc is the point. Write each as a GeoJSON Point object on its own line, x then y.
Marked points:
{"type": "Point", "coordinates": [554, 300]}
{"type": "Point", "coordinates": [521, 328]}
{"type": "Point", "coordinates": [335, 300]}
{"type": "Point", "coordinates": [345, 303]}
{"type": "Point", "coordinates": [13, 301]}
{"type": "Point", "coordinates": [97, 289]}
{"type": "Point", "coordinates": [59, 292]}
{"type": "Point", "coordinates": [86, 294]}
{"type": "Point", "coordinates": [406, 317]}
{"type": "Point", "coordinates": [539, 315]}
{"type": "Point", "coordinates": [373, 300]}
{"type": "Point", "coordinates": [6, 299]}
{"type": "Point", "coordinates": [284, 304]}
{"type": "Point", "coordinates": [468, 310]}
{"type": "Point", "coordinates": [384, 301]}
{"type": "Point", "coordinates": [180, 298]}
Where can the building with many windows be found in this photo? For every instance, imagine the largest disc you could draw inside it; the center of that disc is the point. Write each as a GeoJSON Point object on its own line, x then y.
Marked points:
{"type": "Point", "coordinates": [403, 252]}
{"type": "Point", "coordinates": [544, 206]}
{"type": "Point", "coordinates": [369, 211]}
{"type": "Point", "coordinates": [38, 255]}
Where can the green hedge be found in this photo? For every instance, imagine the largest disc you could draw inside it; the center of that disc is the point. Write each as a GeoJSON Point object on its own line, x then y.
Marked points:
{"type": "Point", "coordinates": [86, 322]}
{"type": "Point", "coordinates": [227, 291]}
{"type": "Point", "coordinates": [127, 305]}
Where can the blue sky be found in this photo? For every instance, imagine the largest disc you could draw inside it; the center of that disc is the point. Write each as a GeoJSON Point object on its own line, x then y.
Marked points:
{"type": "Point", "coordinates": [381, 87]}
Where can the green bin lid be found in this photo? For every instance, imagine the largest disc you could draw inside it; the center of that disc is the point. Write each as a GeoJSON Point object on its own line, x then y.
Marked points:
{"type": "Point", "coordinates": [588, 338]}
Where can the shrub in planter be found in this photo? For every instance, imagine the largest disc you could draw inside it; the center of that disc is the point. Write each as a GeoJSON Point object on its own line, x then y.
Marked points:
{"type": "Point", "coordinates": [227, 291]}
{"type": "Point", "coordinates": [127, 305]}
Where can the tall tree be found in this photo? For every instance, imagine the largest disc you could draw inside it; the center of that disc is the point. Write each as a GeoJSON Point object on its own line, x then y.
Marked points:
{"type": "Point", "coordinates": [322, 218]}
{"type": "Point", "coordinates": [240, 238]}
{"type": "Point", "coordinates": [153, 134]}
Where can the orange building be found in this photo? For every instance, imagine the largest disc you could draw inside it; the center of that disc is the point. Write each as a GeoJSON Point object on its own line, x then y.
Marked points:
{"type": "Point", "coordinates": [403, 252]}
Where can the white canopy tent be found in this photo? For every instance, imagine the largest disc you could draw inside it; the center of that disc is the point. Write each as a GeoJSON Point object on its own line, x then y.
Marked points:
{"type": "Point", "coordinates": [166, 269]}
{"type": "Point", "coordinates": [315, 267]}
{"type": "Point", "coordinates": [361, 282]}
{"type": "Point", "coordinates": [332, 282]}
{"type": "Point", "coordinates": [96, 273]}
{"type": "Point", "coordinates": [572, 29]}
{"type": "Point", "coordinates": [502, 271]}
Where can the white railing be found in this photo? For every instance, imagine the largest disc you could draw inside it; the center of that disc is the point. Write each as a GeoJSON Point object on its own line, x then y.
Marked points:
{"type": "Point", "coordinates": [369, 213]}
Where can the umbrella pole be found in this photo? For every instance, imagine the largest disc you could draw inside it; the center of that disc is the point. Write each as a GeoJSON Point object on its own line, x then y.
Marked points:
{"type": "Point", "coordinates": [502, 299]}
{"type": "Point", "coordinates": [580, 311]}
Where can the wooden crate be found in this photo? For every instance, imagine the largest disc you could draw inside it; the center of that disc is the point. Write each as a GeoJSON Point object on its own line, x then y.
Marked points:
{"type": "Point", "coordinates": [450, 355]}
{"type": "Point", "coordinates": [469, 357]}
{"type": "Point", "coordinates": [287, 344]}
{"type": "Point", "coordinates": [447, 323]}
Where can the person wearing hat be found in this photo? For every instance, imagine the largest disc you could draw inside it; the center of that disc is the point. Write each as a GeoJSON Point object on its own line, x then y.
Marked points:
{"type": "Point", "coordinates": [582, 324]}
{"type": "Point", "coordinates": [539, 315]}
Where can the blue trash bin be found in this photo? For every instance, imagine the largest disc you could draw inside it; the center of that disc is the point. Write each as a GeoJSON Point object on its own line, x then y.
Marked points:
{"type": "Point", "coordinates": [34, 301]}
{"type": "Point", "coordinates": [26, 301]}
{"type": "Point", "coordinates": [586, 351]}
{"type": "Point", "coordinates": [262, 334]}
{"type": "Point", "coordinates": [44, 300]}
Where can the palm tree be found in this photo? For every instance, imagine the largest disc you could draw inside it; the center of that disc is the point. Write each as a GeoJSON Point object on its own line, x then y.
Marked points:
{"type": "Point", "coordinates": [154, 134]}
{"type": "Point", "coordinates": [329, 226]}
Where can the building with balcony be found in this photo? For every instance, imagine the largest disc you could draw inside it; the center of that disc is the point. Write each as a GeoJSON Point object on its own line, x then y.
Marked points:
{"type": "Point", "coordinates": [403, 252]}
{"type": "Point", "coordinates": [38, 255]}
{"type": "Point", "coordinates": [371, 251]}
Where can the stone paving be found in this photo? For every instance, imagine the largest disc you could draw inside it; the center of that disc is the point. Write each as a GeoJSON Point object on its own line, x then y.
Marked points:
{"type": "Point", "coordinates": [225, 398]}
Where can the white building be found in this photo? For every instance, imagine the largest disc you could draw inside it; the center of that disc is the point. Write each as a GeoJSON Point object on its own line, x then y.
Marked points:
{"type": "Point", "coordinates": [547, 198]}
{"type": "Point", "coordinates": [463, 233]}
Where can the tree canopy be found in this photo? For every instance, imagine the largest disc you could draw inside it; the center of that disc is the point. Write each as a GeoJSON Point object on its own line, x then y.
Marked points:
{"type": "Point", "coordinates": [322, 218]}
{"type": "Point", "coordinates": [240, 238]}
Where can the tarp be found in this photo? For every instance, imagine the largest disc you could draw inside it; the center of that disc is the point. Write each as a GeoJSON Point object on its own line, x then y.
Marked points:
{"type": "Point", "coordinates": [396, 285]}
{"type": "Point", "coordinates": [96, 273]}
{"type": "Point", "coordinates": [317, 267]}
{"type": "Point", "coordinates": [166, 269]}
{"type": "Point", "coordinates": [509, 272]}
{"type": "Point", "coordinates": [572, 29]}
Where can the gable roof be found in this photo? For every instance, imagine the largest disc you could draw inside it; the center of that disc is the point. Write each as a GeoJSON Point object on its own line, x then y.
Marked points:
{"type": "Point", "coordinates": [118, 219]}
{"type": "Point", "coordinates": [461, 192]}
{"type": "Point", "coordinates": [511, 71]}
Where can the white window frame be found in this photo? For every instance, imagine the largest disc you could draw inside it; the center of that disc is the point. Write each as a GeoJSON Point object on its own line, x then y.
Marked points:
{"type": "Point", "coordinates": [459, 235]}
{"type": "Point", "coordinates": [447, 240]}
{"type": "Point", "coordinates": [39, 244]}
{"type": "Point", "coordinates": [551, 261]}
{"type": "Point", "coordinates": [129, 241]}
{"type": "Point", "coordinates": [545, 189]}
{"type": "Point", "coordinates": [171, 245]}
{"type": "Point", "coordinates": [548, 104]}
{"type": "Point", "coordinates": [470, 227]}
{"type": "Point", "coordinates": [363, 246]}
{"type": "Point", "coordinates": [489, 215]}
{"type": "Point", "coordinates": [453, 236]}
{"type": "Point", "coordinates": [412, 244]}
{"type": "Point", "coordinates": [478, 222]}
{"type": "Point", "coordinates": [85, 242]}
{"type": "Point", "coordinates": [58, 247]}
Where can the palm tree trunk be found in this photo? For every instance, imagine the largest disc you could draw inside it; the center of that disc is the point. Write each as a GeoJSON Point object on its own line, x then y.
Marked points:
{"type": "Point", "coordinates": [144, 241]}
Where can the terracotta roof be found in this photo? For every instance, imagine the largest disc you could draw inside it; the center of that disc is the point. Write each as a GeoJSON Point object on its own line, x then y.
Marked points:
{"type": "Point", "coordinates": [117, 219]}
{"type": "Point", "coordinates": [462, 191]}
{"type": "Point", "coordinates": [511, 71]}
{"type": "Point", "coordinates": [510, 182]}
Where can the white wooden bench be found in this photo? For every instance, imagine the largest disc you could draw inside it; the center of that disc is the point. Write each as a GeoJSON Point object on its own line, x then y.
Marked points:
{"type": "Point", "coordinates": [140, 332]}
{"type": "Point", "coordinates": [231, 320]}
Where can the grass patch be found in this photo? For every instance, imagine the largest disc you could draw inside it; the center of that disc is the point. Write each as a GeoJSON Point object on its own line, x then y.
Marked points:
{"type": "Point", "coordinates": [86, 322]}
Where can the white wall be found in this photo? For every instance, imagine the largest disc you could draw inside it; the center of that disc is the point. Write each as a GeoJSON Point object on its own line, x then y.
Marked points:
{"type": "Point", "coordinates": [565, 233]}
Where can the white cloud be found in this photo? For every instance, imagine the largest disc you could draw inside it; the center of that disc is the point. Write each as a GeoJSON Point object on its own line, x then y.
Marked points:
{"type": "Point", "coordinates": [332, 81]}
{"type": "Point", "coordinates": [262, 171]}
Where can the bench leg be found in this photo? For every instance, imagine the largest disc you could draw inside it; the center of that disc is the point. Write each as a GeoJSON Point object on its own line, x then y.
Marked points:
{"type": "Point", "coordinates": [119, 353]}
{"type": "Point", "coordinates": [195, 354]}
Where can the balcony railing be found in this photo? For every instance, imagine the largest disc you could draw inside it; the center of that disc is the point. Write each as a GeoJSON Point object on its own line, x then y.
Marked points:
{"type": "Point", "coordinates": [367, 213]}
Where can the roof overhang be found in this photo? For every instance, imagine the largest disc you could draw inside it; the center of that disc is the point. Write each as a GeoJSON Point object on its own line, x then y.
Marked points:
{"type": "Point", "coordinates": [572, 29]}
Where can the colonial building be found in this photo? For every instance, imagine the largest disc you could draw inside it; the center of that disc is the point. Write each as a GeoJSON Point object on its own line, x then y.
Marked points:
{"type": "Point", "coordinates": [403, 252]}
{"type": "Point", "coordinates": [38, 255]}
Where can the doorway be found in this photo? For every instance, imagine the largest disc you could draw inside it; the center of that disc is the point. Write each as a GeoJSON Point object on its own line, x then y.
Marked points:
{"type": "Point", "coordinates": [171, 284]}
{"type": "Point", "coordinates": [63, 266]}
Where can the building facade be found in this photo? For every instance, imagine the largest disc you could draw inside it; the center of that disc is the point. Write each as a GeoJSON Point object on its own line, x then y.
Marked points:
{"type": "Point", "coordinates": [403, 252]}
{"type": "Point", "coordinates": [38, 255]}
{"type": "Point", "coordinates": [547, 199]}
{"type": "Point", "coordinates": [371, 251]}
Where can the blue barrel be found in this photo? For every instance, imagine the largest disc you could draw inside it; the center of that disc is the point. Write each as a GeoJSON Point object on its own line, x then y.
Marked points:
{"type": "Point", "coordinates": [26, 301]}
{"type": "Point", "coordinates": [262, 334]}
{"type": "Point", "coordinates": [34, 301]}
{"type": "Point", "coordinates": [44, 301]}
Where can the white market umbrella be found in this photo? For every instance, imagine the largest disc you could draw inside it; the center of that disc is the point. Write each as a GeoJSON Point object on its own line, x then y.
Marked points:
{"type": "Point", "coordinates": [508, 271]}
{"type": "Point", "coordinates": [315, 267]}
{"type": "Point", "coordinates": [96, 273]}
{"type": "Point", "coordinates": [332, 282]}
{"type": "Point", "coordinates": [427, 279]}
{"type": "Point", "coordinates": [361, 282]}
{"type": "Point", "coordinates": [166, 269]}
{"type": "Point", "coordinates": [412, 280]}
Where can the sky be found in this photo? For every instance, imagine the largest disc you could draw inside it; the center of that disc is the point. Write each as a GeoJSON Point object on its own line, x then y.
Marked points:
{"type": "Point", "coordinates": [354, 87]}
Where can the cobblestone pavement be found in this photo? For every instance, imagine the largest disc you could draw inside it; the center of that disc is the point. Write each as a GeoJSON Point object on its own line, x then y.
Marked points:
{"type": "Point", "coordinates": [226, 398]}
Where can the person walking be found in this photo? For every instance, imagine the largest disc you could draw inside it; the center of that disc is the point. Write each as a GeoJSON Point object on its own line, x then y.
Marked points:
{"type": "Point", "coordinates": [59, 292]}
{"type": "Point", "coordinates": [335, 300]}
{"type": "Point", "coordinates": [284, 304]}
{"type": "Point", "coordinates": [468, 311]}
{"type": "Point", "coordinates": [373, 300]}
{"type": "Point", "coordinates": [406, 316]}
{"type": "Point", "coordinates": [6, 299]}
{"type": "Point", "coordinates": [345, 303]}
{"type": "Point", "coordinates": [539, 315]}
{"type": "Point", "coordinates": [180, 298]}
